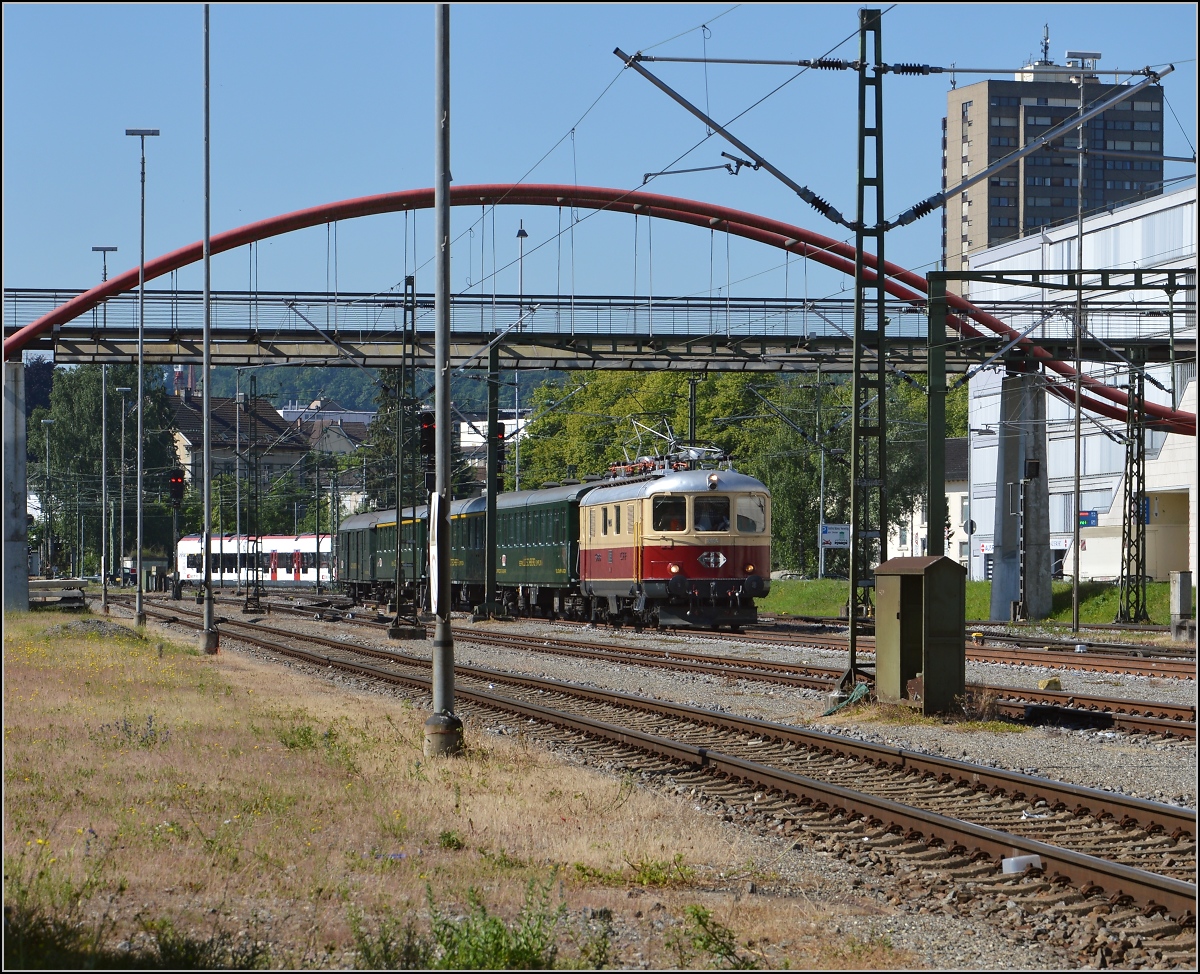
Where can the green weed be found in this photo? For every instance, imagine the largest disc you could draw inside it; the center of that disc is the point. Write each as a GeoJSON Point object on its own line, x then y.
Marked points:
{"type": "Point", "coordinates": [451, 840]}
{"type": "Point", "coordinates": [704, 935]}
{"type": "Point", "coordinates": [599, 877]}
{"type": "Point", "coordinates": [391, 945]}
{"type": "Point", "coordinates": [480, 941]}
{"type": "Point", "coordinates": [596, 946]}
{"type": "Point", "coordinates": [660, 872]}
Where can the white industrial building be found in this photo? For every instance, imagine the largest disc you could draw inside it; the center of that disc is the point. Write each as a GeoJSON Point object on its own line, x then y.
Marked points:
{"type": "Point", "coordinates": [1157, 233]}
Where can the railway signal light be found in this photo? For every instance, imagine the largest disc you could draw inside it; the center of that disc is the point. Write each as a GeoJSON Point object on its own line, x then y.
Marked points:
{"type": "Point", "coordinates": [176, 480]}
{"type": "Point", "coordinates": [428, 438]}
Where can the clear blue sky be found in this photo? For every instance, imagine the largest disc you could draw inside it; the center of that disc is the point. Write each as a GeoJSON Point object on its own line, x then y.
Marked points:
{"type": "Point", "coordinates": [317, 103]}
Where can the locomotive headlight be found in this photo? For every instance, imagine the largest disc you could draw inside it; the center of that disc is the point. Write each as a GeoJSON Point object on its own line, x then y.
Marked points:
{"type": "Point", "coordinates": [712, 481]}
{"type": "Point", "coordinates": [749, 569]}
{"type": "Point", "coordinates": [674, 569]}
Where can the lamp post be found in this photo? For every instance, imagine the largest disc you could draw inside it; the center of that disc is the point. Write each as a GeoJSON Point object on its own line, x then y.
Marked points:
{"type": "Point", "coordinates": [139, 613]}
{"type": "Point", "coordinates": [121, 555]}
{"type": "Point", "coordinates": [104, 252]}
{"type": "Point", "coordinates": [521, 235]}
{"type": "Point", "coordinates": [49, 529]}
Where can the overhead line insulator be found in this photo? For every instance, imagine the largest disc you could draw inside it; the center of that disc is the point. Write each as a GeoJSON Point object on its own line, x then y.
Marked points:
{"type": "Point", "coordinates": [830, 64]}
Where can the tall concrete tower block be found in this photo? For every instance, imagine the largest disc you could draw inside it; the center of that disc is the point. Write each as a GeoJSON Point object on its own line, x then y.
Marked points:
{"type": "Point", "coordinates": [16, 537]}
{"type": "Point", "coordinates": [1022, 499]}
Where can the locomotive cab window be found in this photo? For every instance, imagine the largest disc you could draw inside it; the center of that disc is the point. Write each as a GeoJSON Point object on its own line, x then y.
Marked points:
{"type": "Point", "coordinates": [712, 513]}
{"type": "Point", "coordinates": [670, 513]}
{"type": "Point", "coordinates": [752, 514]}
{"type": "Point", "coordinates": [617, 518]}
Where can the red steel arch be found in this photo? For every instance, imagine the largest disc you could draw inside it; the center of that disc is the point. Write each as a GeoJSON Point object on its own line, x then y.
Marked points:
{"type": "Point", "coordinates": [900, 283]}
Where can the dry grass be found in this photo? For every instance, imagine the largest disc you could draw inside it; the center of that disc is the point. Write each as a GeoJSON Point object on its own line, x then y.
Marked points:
{"type": "Point", "coordinates": [146, 785]}
{"type": "Point", "coordinates": [973, 715]}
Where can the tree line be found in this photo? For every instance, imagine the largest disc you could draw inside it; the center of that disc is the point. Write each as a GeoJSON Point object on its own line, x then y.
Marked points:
{"type": "Point", "coordinates": [776, 427]}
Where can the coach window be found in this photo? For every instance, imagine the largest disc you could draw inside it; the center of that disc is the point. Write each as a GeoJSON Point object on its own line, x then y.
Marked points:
{"type": "Point", "coordinates": [604, 520]}
{"type": "Point", "coordinates": [752, 514]}
{"type": "Point", "coordinates": [712, 513]}
{"type": "Point", "coordinates": [670, 513]}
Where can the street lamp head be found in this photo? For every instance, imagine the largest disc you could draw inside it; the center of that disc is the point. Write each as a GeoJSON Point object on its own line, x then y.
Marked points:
{"type": "Point", "coordinates": [104, 250]}
{"type": "Point", "coordinates": [47, 422]}
{"type": "Point", "coordinates": [521, 234]}
{"type": "Point", "coordinates": [141, 132]}
{"type": "Point", "coordinates": [124, 389]}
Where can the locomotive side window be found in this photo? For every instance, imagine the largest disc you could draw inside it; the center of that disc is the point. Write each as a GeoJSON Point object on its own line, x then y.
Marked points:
{"type": "Point", "coordinates": [712, 513]}
{"type": "Point", "coordinates": [604, 520]}
{"type": "Point", "coordinates": [752, 514]}
{"type": "Point", "coordinates": [670, 513]}
{"type": "Point", "coordinates": [617, 516]}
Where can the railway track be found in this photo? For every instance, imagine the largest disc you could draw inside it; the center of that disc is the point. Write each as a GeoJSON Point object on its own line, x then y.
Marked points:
{"type": "Point", "coordinates": [1129, 716]}
{"type": "Point", "coordinates": [1061, 657]}
{"type": "Point", "coordinates": [1066, 644]}
{"type": "Point", "coordinates": [964, 814]}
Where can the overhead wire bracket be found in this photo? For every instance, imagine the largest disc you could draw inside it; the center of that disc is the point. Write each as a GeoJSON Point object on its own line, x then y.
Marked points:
{"type": "Point", "coordinates": [806, 194]}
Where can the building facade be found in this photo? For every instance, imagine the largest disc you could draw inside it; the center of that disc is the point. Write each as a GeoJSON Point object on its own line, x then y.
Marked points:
{"type": "Point", "coordinates": [1156, 233]}
{"type": "Point", "coordinates": [987, 121]}
{"type": "Point", "coordinates": [909, 537]}
{"type": "Point", "coordinates": [279, 446]}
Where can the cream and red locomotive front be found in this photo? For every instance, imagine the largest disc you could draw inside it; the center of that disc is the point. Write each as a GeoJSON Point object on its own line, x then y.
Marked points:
{"type": "Point", "coordinates": [689, 548]}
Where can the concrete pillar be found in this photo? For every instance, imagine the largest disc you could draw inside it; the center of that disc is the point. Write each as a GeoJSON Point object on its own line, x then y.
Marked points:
{"type": "Point", "coordinates": [16, 507]}
{"type": "Point", "coordinates": [1022, 438]}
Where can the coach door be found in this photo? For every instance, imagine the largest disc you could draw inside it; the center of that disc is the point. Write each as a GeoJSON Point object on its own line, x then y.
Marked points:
{"type": "Point", "coordinates": [296, 566]}
{"type": "Point", "coordinates": [274, 566]}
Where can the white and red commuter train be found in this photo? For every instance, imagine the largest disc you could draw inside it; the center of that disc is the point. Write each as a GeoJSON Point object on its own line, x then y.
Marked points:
{"type": "Point", "coordinates": [284, 559]}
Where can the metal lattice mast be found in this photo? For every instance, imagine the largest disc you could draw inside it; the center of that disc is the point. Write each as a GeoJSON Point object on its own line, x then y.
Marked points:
{"type": "Point", "coordinates": [1133, 523]}
{"type": "Point", "coordinates": [868, 542]}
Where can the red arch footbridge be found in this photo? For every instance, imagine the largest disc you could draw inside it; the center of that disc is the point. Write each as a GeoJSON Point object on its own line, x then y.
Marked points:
{"type": "Point", "coordinates": [900, 283]}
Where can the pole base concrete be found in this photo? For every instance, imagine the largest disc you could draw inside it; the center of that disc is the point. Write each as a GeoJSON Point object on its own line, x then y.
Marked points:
{"type": "Point", "coordinates": [139, 618]}
{"type": "Point", "coordinates": [405, 632]}
{"type": "Point", "coordinates": [209, 641]}
{"type": "Point", "coordinates": [443, 735]}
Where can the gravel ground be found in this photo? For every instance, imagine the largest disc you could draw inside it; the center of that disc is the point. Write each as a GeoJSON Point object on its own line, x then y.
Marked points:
{"type": "Point", "coordinates": [940, 933]}
{"type": "Point", "coordinates": [1151, 768]}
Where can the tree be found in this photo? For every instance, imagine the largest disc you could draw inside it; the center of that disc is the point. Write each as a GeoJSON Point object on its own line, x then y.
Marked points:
{"type": "Point", "coordinates": [75, 453]}
{"type": "Point", "coordinates": [591, 420]}
{"type": "Point", "coordinates": [39, 377]}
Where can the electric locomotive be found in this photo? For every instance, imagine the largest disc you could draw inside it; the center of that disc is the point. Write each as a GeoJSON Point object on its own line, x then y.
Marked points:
{"type": "Point", "coordinates": [687, 548]}
{"type": "Point", "coordinates": [650, 545]}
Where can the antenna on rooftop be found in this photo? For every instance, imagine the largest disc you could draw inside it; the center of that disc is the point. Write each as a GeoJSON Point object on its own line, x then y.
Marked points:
{"type": "Point", "coordinates": [1045, 43]}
